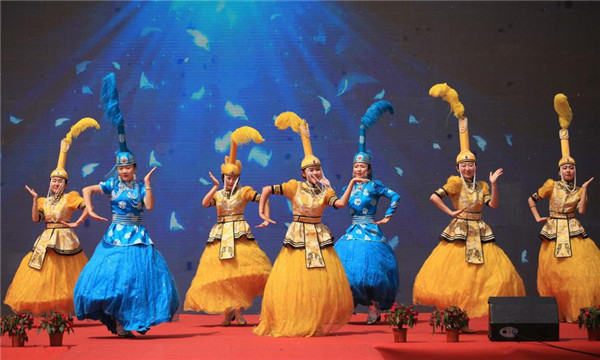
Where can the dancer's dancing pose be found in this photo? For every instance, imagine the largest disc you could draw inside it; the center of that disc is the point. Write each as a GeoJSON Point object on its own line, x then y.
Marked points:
{"type": "Point", "coordinates": [233, 270]}
{"type": "Point", "coordinates": [467, 267]}
{"type": "Point", "coordinates": [569, 261]}
{"type": "Point", "coordinates": [367, 257]}
{"type": "Point", "coordinates": [126, 284]}
{"type": "Point", "coordinates": [307, 292]}
{"type": "Point", "coordinates": [45, 279]}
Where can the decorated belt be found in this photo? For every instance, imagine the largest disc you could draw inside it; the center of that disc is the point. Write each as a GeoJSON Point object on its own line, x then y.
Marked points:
{"type": "Point", "coordinates": [559, 215]}
{"type": "Point", "coordinates": [307, 219]}
{"type": "Point", "coordinates": [129, 219]}
{"type": "Point", "coordinates": [363, 219]}
{"type": "Point", "coordinates": [55, 226]}
{"type": "Point", "coordinates": [467, 215]}
{"type": "Point", "coordinates": [228, 218]}
{"type": "Point", "coordinates": [562, 245]}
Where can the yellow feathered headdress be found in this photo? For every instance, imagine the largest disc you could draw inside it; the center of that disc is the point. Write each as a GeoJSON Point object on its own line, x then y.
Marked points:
{"type": "Point", "coordinates": [65, 143]}
{"type": "Point", "coordinates": [243, 135]}
{"type": "Point", "coordinates": [300, 126]}
{"type": "Point", "coordinates": [565, 116]}
{"type": "Point", "coordinates": [451, 97]}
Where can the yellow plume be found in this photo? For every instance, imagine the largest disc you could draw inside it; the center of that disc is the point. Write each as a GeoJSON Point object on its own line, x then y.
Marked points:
{"type": "Point", "coordinates": [245, 134]}
{"type": "Point", "coordinates": [65, 143]}
{"type": "Point", "coordinates": [565, 114]}
{"type": "Point", "coordinates": [450, 96]}
{"type": "Point", "coordinates": [241, 136]}
{"type": "Point", "coordinates": [79, 127]}
{"type": "Point", "coordinates": [289, 119]}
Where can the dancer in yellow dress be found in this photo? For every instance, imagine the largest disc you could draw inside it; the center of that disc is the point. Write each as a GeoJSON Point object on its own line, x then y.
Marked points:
{"type": "Point", "coordinates": [233, 270]}
{"type": "Point", "coordinates": [467, 267]}
{"type": "Point", "coordinates": [46, 277]}
{"type": "Point", "coordinates": [569, 261]}
{"type": "Point", "coordinates": [307, 293]}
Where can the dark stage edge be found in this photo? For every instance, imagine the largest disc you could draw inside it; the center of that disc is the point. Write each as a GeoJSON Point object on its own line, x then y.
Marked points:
{"type": "Point", "coordinates": [201, 336]}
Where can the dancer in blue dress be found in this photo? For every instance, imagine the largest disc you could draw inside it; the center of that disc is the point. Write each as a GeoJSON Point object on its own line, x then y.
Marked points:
{"type": "Point", "coordinates": [367, 257]}
{"type": "Point", "coordinates": [126, 284]}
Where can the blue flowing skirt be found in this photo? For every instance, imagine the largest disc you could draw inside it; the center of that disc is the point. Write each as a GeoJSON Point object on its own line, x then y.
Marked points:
{"type": "Point", "coordinates": [370, 264]}
{"type": "Point", "coordinates": [131, 285]}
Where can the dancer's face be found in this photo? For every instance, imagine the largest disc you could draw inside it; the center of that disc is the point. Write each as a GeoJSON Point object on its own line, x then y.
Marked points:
{"type": "Point", "coordinates": [126, 172]}
{"type": "Point", "coordinates": [57, 184]}
{"type": "Point", "coordinates": [567, 171]}
{"type": "Point", "coordinates": [467, 169]}
{"type": "Point", "coordinates": [229, 181]}
{"type": "Point", "coordinates": [313, 174]}
{"type": "Point", "coordinates": [361, 170]}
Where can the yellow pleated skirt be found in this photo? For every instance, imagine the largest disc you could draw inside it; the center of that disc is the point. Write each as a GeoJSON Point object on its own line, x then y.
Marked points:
{"type": "Point", "coordinates": [574, 281]}
{"type": "Point", "coordinates": [223, 285]}
{"type": "Point", "coordinates": [46, 290]}
{"type": "Point", "coordinates": [446, 279]}
{"type": "Point", "coordinates": [305, 302]}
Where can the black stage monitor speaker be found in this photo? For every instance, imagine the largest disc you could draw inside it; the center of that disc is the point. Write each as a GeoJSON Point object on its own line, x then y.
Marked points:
{"type": "Point", "coordinates": [523, 319]}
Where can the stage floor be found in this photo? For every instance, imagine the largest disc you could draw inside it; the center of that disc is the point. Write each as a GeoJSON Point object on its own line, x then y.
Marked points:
{"type": "Point", "coordinates": [201, 336]}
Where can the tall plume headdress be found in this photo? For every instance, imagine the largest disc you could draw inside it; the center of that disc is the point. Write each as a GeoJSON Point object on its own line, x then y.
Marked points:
{"type": "Point", "coordinates": [375, 111]}
{"type": "Point", "coordinates": [243, 135]}
{"type": "Point", "coordinates": [65, 144]}
{"type": "Point", "coordinates": [299, 126]}
{"type": "Point", "coordinates": [450, 95]}
{"type": "Point", "coordinates": [112, 113]}
{"type": "Point", "coordinates": [565, 116]}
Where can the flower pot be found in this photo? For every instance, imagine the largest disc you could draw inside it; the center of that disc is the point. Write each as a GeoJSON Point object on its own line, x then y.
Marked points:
{"type": "Point", "coordinates": [593, 334]}
{"type": "Point", "coordinates": [17, 340]}
{"type": "Point", "coordinates": [56, 339]}
{"type": "Point", "coordinates": [452, 335]}
{"type": "Point", "coordinates": [400, 335]}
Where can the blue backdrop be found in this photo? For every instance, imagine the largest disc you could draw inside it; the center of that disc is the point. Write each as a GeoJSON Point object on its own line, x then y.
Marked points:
{"type": "Point", "coordinates": [190, 73]}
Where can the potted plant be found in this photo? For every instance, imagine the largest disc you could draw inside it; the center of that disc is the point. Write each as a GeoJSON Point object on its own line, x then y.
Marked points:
{"type": "Point", "coordinates": [452, 319]}
{"type": "Point", "coordinates": [16, 327]}
{"type": "Point", "coordinates": [590, 319]}
{"type": "Point", "coordinates": [399, 316]}
{"type": "Point", "coordinates": [55, 324]}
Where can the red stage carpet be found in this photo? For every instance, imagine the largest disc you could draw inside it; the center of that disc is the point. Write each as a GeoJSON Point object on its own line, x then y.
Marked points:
{"type": "Point", "coordinates": [200, 336]}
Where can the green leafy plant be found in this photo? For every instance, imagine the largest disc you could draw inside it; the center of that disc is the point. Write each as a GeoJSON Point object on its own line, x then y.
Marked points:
{"type": "Point", "coordinates": [400, 315]}
{"type": "Point", "coordinates": [56, 323]}
{"type": "Point", "coordinates": [451, 317]}
{"type": "Point", "coordinates": [589, 317]}
{"type": "Point", "coordinates": [17, 324]}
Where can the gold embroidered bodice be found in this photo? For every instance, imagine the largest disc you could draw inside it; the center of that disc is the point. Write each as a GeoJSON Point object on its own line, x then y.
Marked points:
{"type": "Point", "coordinates": [563, 201]}
{"type": "Point", "coordinates": [235, 203]}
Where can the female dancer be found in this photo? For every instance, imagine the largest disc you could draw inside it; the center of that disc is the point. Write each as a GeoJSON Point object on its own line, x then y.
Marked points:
{"type": "Point", "coordinates": [568, 257]}
{"type": "Point", "coordinates": [307, 292]}
{"type": "Point", "coordinates": [367, 257]}
{"type": "Point", "coordinates": [126, 284]}
{"type": "Point", "coordinates": [233, 270]}
{"type": "Point", "coordinates": [46, 277]}
{"type": "Point", "coordinates": [467, 267]}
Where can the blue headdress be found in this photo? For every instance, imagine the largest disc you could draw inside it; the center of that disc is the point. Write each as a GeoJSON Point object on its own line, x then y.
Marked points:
{"type": "Point", "coordinates": [373, 114]}
{"type": "Point", "coordinates": [112, 113]}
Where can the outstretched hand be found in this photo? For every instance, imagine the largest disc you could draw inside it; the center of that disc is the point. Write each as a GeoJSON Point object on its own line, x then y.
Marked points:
{"type": "Point", "coordinates": [214, 179]}
{"type": "Point", "coordinates": [495, 175]}
{"type": "Point", "coordinates": [71, 224]}
{"type": "Point", "coordinates": [359, 179]}
{"type": "Point", "coordinates": [149, 175]}
{"type": "Point", "coordinates": [385, 220]}
{"type": "Point", "coordinates": [585, 184]}
{"type": "Point", "coordinates": [95, 216]}
{"type": "Point", "coordinates": [35, 195]}
{"type": "Point", "coordinates": [265, 223]}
